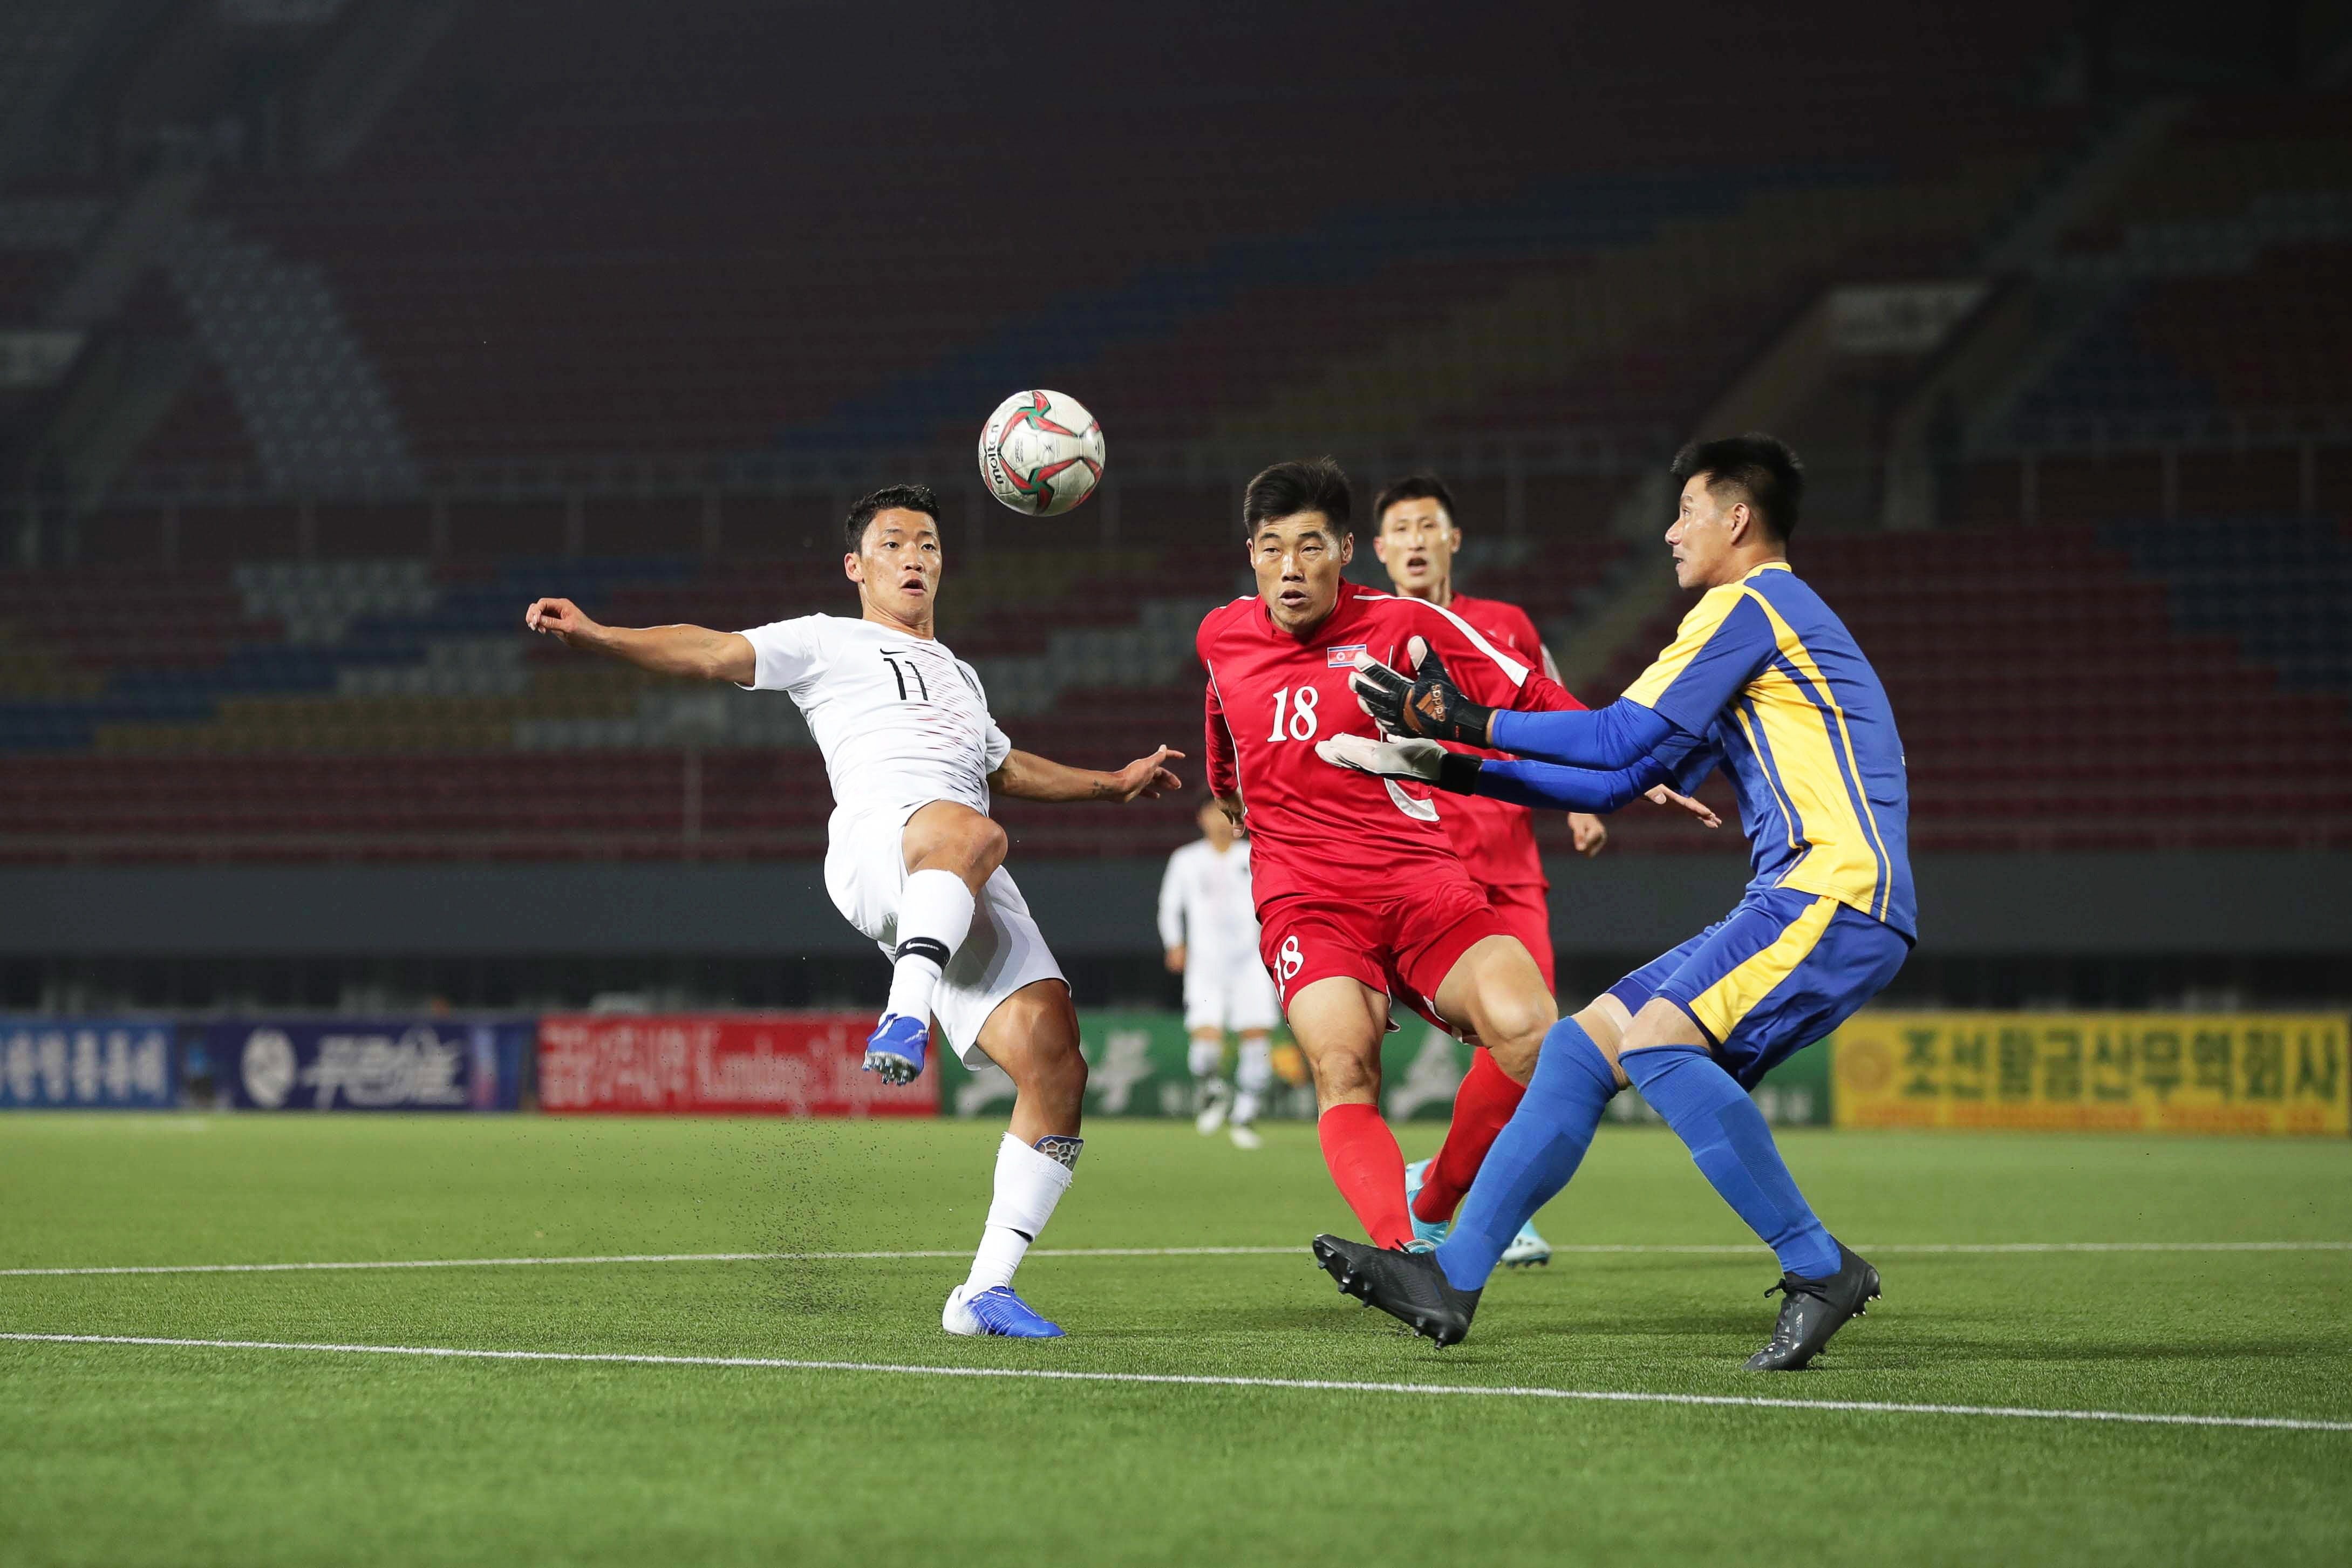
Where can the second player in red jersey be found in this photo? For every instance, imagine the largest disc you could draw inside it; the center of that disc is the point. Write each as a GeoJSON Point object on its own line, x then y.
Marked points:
{"type": "Point", "coordinates": [1361, 894]}
{"type": "Point", "coordinates": [1415, 533]}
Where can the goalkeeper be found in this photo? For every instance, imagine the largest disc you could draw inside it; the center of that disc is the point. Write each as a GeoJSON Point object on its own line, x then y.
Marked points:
{"type": "Point", "coordinates": [1763, 682]}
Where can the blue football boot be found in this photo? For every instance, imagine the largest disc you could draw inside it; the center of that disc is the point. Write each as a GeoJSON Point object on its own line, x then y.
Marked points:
{"type": "Point", "coordinates": [1431, 1231]}
{"type": "Point", "coordinates": [998, 1311]}
{"type": "Point", "coordinates": [895, 1049]}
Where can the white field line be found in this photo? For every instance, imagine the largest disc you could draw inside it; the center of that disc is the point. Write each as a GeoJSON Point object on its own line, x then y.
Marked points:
{"type": "Point", "coordinates": [896, 1369]}
{"type": "Point", "coordinates": [1927, 1247]}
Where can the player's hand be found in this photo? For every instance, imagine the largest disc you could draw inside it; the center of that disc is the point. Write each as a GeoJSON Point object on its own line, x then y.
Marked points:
{"type": "Point", "coordinates": [1176, 959]}
{"type": "Point", "coordinates": [1429, 706]}
{"type": "Point", "coordinates": [1586, 834]}
{"type": "Point", "coordinates": [1145, 778]}
{"type": "Point", "coordinates": [1661, 795]}
{"type": "Point", "coordinates": [1230, 806]}
{"type": "Point", "coordinates": [1417, 760]}
{"type": "Point", "coordinates": [560, 619]}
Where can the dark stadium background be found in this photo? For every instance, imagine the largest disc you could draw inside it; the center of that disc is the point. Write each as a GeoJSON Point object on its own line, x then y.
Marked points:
{"type": "Point", "coordinates": [332, 331]}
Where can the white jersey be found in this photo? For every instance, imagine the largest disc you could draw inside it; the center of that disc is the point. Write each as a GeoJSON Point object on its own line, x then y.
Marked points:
{"type": "Point", "coordinates": [1205, 906]}
{"type": "Point", "coordinates": [901, 721]}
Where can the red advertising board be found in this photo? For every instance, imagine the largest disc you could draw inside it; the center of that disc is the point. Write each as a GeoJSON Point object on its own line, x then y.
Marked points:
{"type": "Point", "coordinates": [719, 1063]}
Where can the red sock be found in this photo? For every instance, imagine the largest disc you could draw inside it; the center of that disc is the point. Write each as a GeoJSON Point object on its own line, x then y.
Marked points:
{"type": "Point", "coordinates": [1369, 1169]}
{"type": "Point", "coordinates": [1481, 1106]}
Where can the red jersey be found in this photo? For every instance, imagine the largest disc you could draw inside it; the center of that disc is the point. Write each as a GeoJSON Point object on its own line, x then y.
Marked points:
{"type": "Point", "coordinates": [1315, 829]}
{"type": "Point", "coordinates": [1496, 839]}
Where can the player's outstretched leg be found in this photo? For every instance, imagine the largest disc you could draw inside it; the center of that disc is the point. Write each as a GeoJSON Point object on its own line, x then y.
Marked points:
{"type": "Point", "coordinates": [1497, 986]}
{"type": "Point", "coordinates": [1732, 1145]}
{"type": "Point", "coordinates": [934, 917]}
{"type": "Point", "coordinates": [1339, 1021]}
{"type": "Point", "coordinates": [1813, 1310]}
{"type": "Point", "coordinates": [1408, 1286]}
{"type": "Point", "coordinates": [951, 851]}
{"type": "Point", "coordinates": [1033, 1035]}
{"type": "Point", "coordinates": [1369, 1170]}
{"type": "Point", "coordinates": [1538, 1151]}
{"type": "Point", "coordinates": [1482, 1107]}
{"type": "Point", "coordinates": [1252, 1076]}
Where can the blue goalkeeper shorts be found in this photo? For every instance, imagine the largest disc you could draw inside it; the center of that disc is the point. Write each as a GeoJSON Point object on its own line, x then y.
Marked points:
{"type": "Point", "coordinates": [1778, 972]}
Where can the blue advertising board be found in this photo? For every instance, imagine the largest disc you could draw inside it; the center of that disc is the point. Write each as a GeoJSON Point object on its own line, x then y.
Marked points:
{"type": "Point", "coordinates": [345, 1064]}
{"type": "Point", "coordinates": [85, 1063]}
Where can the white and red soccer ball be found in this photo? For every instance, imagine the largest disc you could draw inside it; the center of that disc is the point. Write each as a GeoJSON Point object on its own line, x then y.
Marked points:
{"type": "Point", "coordinates": [1041, 453]}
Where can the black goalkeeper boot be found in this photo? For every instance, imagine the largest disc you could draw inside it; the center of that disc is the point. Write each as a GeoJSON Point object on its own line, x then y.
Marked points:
{"type": "Point", "coordinates": [1813, 1310]}
{"type": "Point", "coordinates": [1408, 1286]}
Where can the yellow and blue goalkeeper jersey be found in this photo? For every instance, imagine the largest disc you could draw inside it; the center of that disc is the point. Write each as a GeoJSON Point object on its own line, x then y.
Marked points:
{"type": "Point", "coordinates": [1784, 699]}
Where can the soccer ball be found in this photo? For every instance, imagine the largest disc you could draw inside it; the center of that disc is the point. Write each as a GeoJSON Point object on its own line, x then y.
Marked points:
{"type": "Point", "coordinates": [1041, 452]}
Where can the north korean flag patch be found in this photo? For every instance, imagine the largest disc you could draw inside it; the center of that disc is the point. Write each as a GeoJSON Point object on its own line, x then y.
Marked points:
{"type": "Point", "coordinates": [1344, 655]}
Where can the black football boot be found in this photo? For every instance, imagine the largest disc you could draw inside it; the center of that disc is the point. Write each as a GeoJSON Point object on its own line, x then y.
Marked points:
{"type": "Point", "coordinates": [1408, 1286]}
{"type": "Point", "coordinates": [1813, 1310]}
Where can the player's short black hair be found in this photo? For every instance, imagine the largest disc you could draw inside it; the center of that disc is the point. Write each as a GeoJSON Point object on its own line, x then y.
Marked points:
{"type": "Point", "coordinates": [1414, 487]}
{"type": "Point", "coordinates": [1285, 489]}
{"type": "Point", "coordinates": [1761, 465]}
{"type": "Point", "coordinates": [889, 497]}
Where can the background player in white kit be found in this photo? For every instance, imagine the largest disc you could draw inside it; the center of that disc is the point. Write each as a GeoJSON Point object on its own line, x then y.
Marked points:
{"type": "Point", "coordinates": [1208, 924]}
{"type": "Point", "coordinates": [914, 860]}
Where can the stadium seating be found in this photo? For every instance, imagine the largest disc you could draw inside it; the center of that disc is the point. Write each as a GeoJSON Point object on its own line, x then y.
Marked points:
{"type": "Point", "coordinates": [591, 262]}
{"type": "Point", "coordinates": [2271, 339]}
{"type": "Point", "coordinates": [622, 249]}
{"type": "Point", "coordinates": [2129, 685]}
{"type": "Point", "coordinates": [2231, 264]}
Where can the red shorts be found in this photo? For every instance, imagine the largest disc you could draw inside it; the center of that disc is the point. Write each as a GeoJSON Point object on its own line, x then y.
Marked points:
{"type": "Point", "coordinates": [1526, 914]}
{"type": "Point", "coordinates": [1404, 944]}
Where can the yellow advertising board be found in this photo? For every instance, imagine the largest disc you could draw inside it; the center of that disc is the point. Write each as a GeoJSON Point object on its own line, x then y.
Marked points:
{"type": "Point", "coordinates": [2121, 1072]}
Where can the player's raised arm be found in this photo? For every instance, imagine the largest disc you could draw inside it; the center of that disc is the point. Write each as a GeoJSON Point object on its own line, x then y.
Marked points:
{"type": "Point", "coordinates": [1023, 775]}
{"type": "Point", "coordinates": [1522, 782]}
{"type": "Point", "coordinates": [697, 653]}
{"type": "Point", "coordinates": [1430, 705]}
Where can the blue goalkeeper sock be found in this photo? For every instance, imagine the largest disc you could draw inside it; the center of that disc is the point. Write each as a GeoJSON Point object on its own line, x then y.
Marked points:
{"type": "Point", "coordinates": [1733, 1148]}
{"type": "Point", "coordinates": [1534, 1155]}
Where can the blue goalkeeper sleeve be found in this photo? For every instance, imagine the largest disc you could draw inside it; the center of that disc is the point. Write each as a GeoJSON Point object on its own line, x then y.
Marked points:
{"type": "Point", "coordinates": [1681, 761]}
{"type": "Point", "coordinates": [1549, 786]}
{"type": "Point", "coordinates": [1617, 736]}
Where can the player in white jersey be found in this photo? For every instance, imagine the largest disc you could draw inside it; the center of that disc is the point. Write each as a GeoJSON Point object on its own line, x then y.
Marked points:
{"type": "Point", "coordinates": [914, 860]}
{"type": "Point", "coordinates": [1208, 924]}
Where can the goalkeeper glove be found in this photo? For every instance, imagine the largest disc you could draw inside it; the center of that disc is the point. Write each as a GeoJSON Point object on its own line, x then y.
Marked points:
{"type": "Point", "coordinates": [1429, 705]}
{"type": "Point", "coordinates": [1425, 762]}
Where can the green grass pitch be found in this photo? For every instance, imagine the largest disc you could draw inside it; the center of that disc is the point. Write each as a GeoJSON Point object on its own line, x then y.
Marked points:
{"type": "Point", "coordinates": [134, 1453]}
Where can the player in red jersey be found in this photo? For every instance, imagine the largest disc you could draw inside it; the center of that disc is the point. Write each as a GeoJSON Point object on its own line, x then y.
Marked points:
{"type": "Point", "coordinates": [1360, 895]}
{"type": "Point", "coordinates": [1415, 536]}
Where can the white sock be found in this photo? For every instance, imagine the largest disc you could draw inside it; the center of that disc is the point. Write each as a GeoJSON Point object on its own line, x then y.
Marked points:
{"type": "Point", "coordinates": [1028, 1184]}
{"type": "Point", "coordinates": [1206, 1058]}
{"type": "Point", "coordinates": [934, 916]}
{"type": "Point", "coordinates": [1255, 1074]}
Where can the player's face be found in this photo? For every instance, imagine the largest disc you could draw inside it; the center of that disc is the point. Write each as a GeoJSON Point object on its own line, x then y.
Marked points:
{"type": "Point", "coordinates": [896, 567]}
{"type": "Point", "coordinates": [1298, 560]}
{"type": "Point", "coordinates": [1416, 543]}
{"type": "Point", "coordinates": [1215, 826]}
{"type": "Point", "coordinates": [1703, 534]}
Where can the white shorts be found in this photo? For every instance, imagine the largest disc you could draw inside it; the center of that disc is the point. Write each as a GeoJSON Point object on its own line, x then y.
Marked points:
{"type": "Point", "coordinates": [1235, 993]}
{"type": "Point", "coordinates": [866, 870]}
